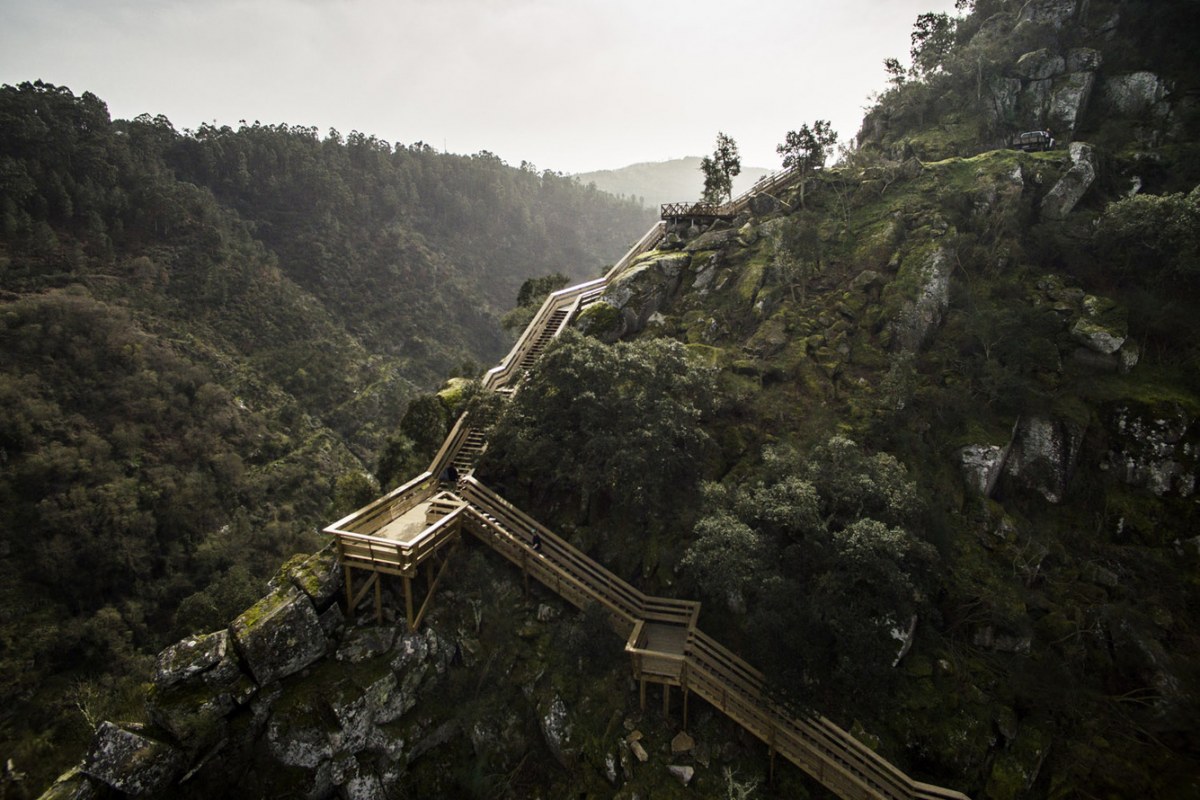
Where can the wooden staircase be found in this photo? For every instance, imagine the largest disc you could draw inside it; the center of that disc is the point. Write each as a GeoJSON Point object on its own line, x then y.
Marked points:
{"type": "Point", "coordinates": [553, 326]}
{"type": "Point", "coordinates": [467, 455]}
{"type": "Point", "coordinates": [664, 643]}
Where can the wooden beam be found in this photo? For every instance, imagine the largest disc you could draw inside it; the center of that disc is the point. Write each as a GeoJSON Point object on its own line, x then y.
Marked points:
{"type": "Point", "coordinates": [366, 587]}
{"type": "Point", "coordinates": [429, 594]}
{"type": "Point", "coordinates": [349, 592]}
{"type": "Point", "coordinates": [408, 603]}
{"type": "Point", "coordinates": [378, 599]}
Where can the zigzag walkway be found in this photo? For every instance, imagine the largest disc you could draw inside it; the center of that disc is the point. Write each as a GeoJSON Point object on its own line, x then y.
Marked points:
{"type": "Point", "coordinates": [412, 525]}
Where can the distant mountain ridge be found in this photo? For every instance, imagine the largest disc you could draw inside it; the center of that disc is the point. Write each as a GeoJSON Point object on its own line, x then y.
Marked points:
{"type": "Point", "coordinates": [658, 182]}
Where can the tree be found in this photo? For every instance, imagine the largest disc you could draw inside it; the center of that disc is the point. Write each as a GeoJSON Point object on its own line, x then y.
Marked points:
{"type": "Point", "coordinates": [719, 170]}
{"type": "Point", "coordinates": [819, 556]}
{"type": "Point", "coordinates": [897, 75]}
{"type": "Point", "coordinates": [932, 38]}
{"type": "Point", "coordinates": [1154, 236]}
{"type": "Point", "coordinates": [806, 149]}
{"type": "Point", "coordinates": [613, 430]}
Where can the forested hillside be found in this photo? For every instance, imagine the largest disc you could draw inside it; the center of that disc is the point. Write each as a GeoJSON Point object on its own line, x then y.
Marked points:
{"type": "Point", "coordinates": [941, 485]}
{"type": "Point", "coordinates": [920, 430]}
{"type": "Point", "coordinates": [206, 338]}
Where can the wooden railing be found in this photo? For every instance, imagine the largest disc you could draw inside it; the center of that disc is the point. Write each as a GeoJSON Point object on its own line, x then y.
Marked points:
{"type": "Point", "coordinates": [398, 558]}
{"type": "Point", "coordinates": [675, 210]}
{"type": "Point", "coordinates": [370, 518]}
{"type": "Point", "coordinates": [765, 185]}
{"type": "Point", "coordinates": [824, 751]}
{"type": "Point", "coordinates": [501, 374]}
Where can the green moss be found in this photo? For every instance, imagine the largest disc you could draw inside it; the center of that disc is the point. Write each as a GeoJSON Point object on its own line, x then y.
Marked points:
{"type": "Point", "coordinates": [600, 320]}
{"type": "Point", "coordinates": [706, 355]}
{"type": "Point", "coordinates": [751, 279]}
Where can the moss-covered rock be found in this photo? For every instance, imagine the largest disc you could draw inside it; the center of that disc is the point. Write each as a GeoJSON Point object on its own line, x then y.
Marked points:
{"type": "Point", "coordinates": [131, 762]}
{"type": "Point", "coordinates": [279, 635]}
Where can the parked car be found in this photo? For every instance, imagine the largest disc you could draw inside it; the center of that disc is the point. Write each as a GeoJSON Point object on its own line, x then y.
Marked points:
{"type": "Point", "coordinates": [1033, 141]}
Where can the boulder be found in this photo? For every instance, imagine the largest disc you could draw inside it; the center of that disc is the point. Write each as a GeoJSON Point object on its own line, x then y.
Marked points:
{"type": "Point", "coordinates": [639, 292]}
{"type": "Point", "coordinates": [1084, 59]}
{"type": "Point", "coordinates": [1034, 100]}
{"type": "Point", "coordinates": [1073, 185]}
{"type": "Point", "coordinates": [682, 743]}
{"type": "Point", "coordinates": [71, 785]}
{"type": "Point", "coordinates": [361, 644]}
{"type": "Point", "coordinates": [1154, 446]}
{"type": "Point", "coordinates": [763, 204]}
{"type": "Point", "coordinates": [1042, 455]}
{"type": "Point", "coordinates": [207, 657]}
{"type": "Point", "coordinates": [1055, 13]}
{"type": "Point", "coordinates": [359, 783]}
{"type": "Point", "coordinates": [1102, 327]}
{"type": "Point", "coordinates": [1068, 99]}
{"type": "Point", "coordinates": [130, 762]}
{"type": "Point", "coordinates": [319, 576]}
{"type": "Point", "coordinates": [683, 773]}
{"type": "Point", "coordinates": [1005, 94]}
{"type": "Point", "coordinates": [197, 683]}
{"type": "Point", "coordinates": [713, 240]}
{"type": "Point", "coordinates": [602, 320]}
{"type": "Point", "coordinates": [1135, 94]}
{"type": "Point", "coordinates": [982, 464]}
{"type": "Point", "coordinates": [1040, 65]}
{"type": "Point", "coordinates": [279, 635]}
{"type": "Point", "coordinates": [557, 731]}
{"type": "Point", "coordinates": [920, 315]}
{"type": "Point", "coordinates": [299, 732]}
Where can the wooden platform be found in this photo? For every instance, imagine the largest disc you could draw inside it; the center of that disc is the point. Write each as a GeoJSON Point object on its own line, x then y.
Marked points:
{"type": "Point", "coordinates": [407, 527]}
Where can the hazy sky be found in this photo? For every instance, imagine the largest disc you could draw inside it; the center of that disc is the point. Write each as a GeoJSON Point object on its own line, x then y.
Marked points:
{"type": "Point", "coordinates": [570, 85]}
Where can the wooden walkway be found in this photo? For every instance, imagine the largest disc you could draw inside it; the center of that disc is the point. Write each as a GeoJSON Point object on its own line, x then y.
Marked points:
{"type": "Point", "coordinates": [710, 212]}
{"type": "Point", "coordinates": [414, 524]}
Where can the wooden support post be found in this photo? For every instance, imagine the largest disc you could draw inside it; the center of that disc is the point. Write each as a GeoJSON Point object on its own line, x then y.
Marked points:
{"type": "Point", "coordinates": [349, 593]}
{"type": "Point", "coordinates": [408, 602]}
{"type": "Point", "coordinates": [643, 693]}
{"type": "Point", "coordinates": [433, 583]}
{"type": "Point", "coordinates": [666, 700]}
{"type": "Point", "coordinates": [379, 600]}
{"type": "Point", "coordinates": [683, 684]}
{"type": "Point", "coordinates": [525, 571]}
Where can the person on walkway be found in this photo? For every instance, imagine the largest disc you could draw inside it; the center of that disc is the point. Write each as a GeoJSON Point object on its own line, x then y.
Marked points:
{"type": "Point", "coordinates": [536, 541]}
{"type": "Point", "coordinates": [449, 475]}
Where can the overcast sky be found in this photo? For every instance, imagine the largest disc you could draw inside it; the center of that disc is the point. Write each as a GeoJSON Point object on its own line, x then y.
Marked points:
{"type": "Point", "coordinates": [569, 85]}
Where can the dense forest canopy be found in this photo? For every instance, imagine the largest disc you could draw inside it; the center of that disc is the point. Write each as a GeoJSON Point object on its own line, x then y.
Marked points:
{"type": "Point", "coordinates": [206, 338]}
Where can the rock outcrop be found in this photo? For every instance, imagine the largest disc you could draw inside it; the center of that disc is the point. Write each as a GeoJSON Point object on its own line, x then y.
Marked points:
{"type": "Point", "coordinates": [1073, 185]}
{"type": "Point", "coordinates": [1043, 455]}
{"type": "Point", "coordinates": [635, 296]}
{"type": "Point", "coordinates": [130, 762]}
{"type": "Point", "coordinates": [279, 635]}
{"type": "Point", "coordinates": [1154, 447]}
{"type": "Point", "coordinates": [930, 271]}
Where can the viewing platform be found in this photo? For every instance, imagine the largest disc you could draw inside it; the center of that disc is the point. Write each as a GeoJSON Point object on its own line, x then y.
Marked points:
{"type": "Point", "coordinates": [698, 212]}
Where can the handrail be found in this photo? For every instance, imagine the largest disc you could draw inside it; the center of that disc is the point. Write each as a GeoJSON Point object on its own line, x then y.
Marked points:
{"type": "Point", "coordinates": [767, 183]}
{"type": "Point", "coordinates": [817, 746]}
{"type": "Point", "coordinates": [650, 238]}
{"type": "Point", "coordinates": [392, 504]}
{"type": "Point", "coordinates": [450, 446]}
